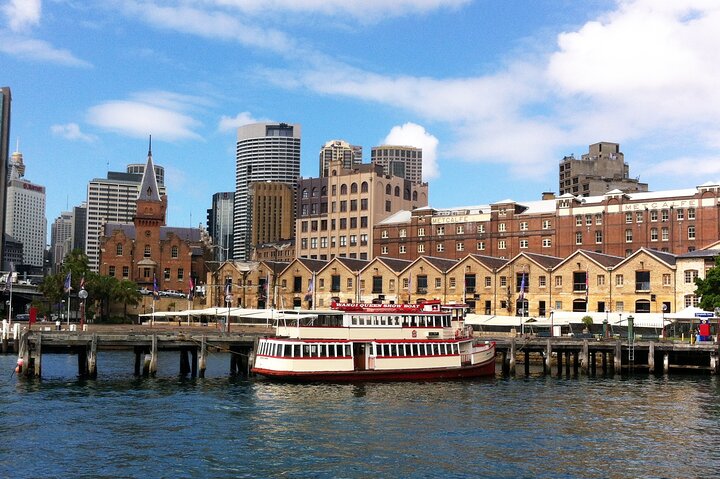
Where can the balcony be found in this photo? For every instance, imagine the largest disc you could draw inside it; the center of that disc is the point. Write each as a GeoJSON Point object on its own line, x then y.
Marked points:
{"type": "Point", "coordinates": [642, 286]}
{"type": "Point", "coordinates": [421, 290]}
{"type": "Point", "coordinates": [579, 287]}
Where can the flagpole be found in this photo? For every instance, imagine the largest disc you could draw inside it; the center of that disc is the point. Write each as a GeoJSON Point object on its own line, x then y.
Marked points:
{"type": "Point", "coordinates": [68, 316]}
{"type": "Point", "coordinates": [10, 305]}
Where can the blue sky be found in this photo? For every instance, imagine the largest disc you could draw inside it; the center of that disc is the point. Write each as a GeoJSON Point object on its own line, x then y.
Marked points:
{"type": "Point", "coordinates": [496, 92]}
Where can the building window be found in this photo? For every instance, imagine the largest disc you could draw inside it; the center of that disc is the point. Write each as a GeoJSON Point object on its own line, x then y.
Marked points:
{"type": "Point", "coordinates": [403, 233]}
{"type": "Point", "coordinates": [421, 231]}
{"type": "Point", "coordinates": [546, 224]}
{"type": "Point", "coordinates": [690, 276]}
{"type": "Point", "coordinates": [598, 219]}
{"type": "Point", "coordinates": [691, 300]}
{"type": "Point", "coordinates": [313, 243]}
{"type": "Point", "coordinates": [501, 244]}
{"type": "Point", "coordinates": [578, 220]}
{"type": "Point", "coordinates": [542, 281]}
{"type": "Point", "coordinates": [481, 228]}
{"type": "Point", "coordinates": [523, 226]}
{"type": "Point", "coordinates": [628, 217]}
{"type": "Point", "coordinates": [440, 247]}
{"type": "Point", "coordinates": [174, 252]}
{"type": "Point", "coordinates": [628, 236]}
{"type": "Point", "coordinates": [181, 273]}
{"type": "Point", "coordinates": [303, 243]}
{"type": "Point", "coordinates": [680, 214]}
{"type": "Point", "coordinates": [119, 249]}
{"type": "Point", "coordinates": [384, 234]}
{"type": "Point", "coordinates": [546, 243]}
{"type": "Point", "coordinates": [653, 215]}
{"type": "Point", "coordinates": [146, 251]}
{"type": "Point", "coordinates": [653, 234]}
{"type": "Point", "coordinates": [438, 283]}
{"type": "Point", "coordinates": [558, 281]}
{"type": "Point", "coordinates": [665, 215]}
{"type": "Point", "coordinates": [578, 237]}
{"type": "Point", "coordinates": [691, 213]}
{"type": "Point", "coordinates": [126, 272]}
{"type": "Point", "coordinates": [501, 227]}
{"type": "Point", "coordinates": [335, 283]}
{"type": "Point", "coordinates": [349, 283]}
{"type": "Point", "coordinates": [343, 240]}
{"type": "Point", "coordinates": [364, 204]}
{"type": "Point", "coordinates": [421, 248]}
{"type": "Point", "coordinates": [402, 249]}
{"type": "Point", "coordinates": [488, 281]}
{"type": "Point", "coordinates": [384, 250]}
{"type": "Point", "coordinates": [524, 243]}
{"type": "Point", "coordinates": [620, 306]}
{"type": "Point", "coordinates": [439, 230]}
{"type": "Point", "coordinates": [353, 240]}
{"type": "Point", "coordinates": [503, 281]}
{"type": "Point", "coordinates": [588, 220]}
{"type": "Point", "coordinates": [665, 234]}
{"type": "Point", "coordinates": [452, 282]}
{"type": "Point", "coordinates": [166, 274]}
{"type": "Point", "coordinates": [601, 280]}
{"type": "Point", "coordinates": [459, 229]}
{"type": "Point", "coordinates": [638, 216]}
{"type": "Point", "coordinates": [619, 280]}
{"type": "Point", "coordinates": [481, 246]}
{"type": "Point", "coordinates": [460, 246]}
{"type": "Point", "coordinates": [666, 279]}
{"type": "Point", "coordinates": [111, 270]}
{"type": "Point", "coordinates": [598, 237]}
{"type": "Point", "coordinates": [691, 232]}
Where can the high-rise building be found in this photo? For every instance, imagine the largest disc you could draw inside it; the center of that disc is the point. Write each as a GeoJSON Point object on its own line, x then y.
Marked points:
{"type": "Point", "coordinates": [600, 170]}
{"type": "Point", "coordinates": [61, 238]}
{"type": "Point", "coordinates": [265, 152]}
{"type": "Point", "coordinates": [401, 161]}
{"type": "Point", "coordinates": [341, 150]}
{"type": "Point", "coordinates": [5, 99]}
{"type": "Point", "coordinates": [271, 212]}
{"type": "Point", "coordinates": [25, 215]}
{"type": "Point", "coordinates": [79, 225]}
{"type": "Point", "coordinates": [220, 225]}
{"type": "Point", "coordinates": [336, 214]}
{"type": "Point", "coordinates": [111, 200]}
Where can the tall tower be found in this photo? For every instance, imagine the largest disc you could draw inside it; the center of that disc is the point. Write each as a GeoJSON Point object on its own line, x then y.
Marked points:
{"type": "Point", "coordinates": [112, 200]}
{"type": "Point", "coordinates": [4, 151]}
{"type": "Point", "coordinates": [61, 238]}
{"type": "Point", "coordinates": [402, 161]}
{"type": "Point", "coordinates": [334, 150]}
{"type": "Point", "coordinates": [25, 215]}
{"type": "Point", "coordinates": [265, 152]}
{"type": "Point", "coordinates": [220, 225]}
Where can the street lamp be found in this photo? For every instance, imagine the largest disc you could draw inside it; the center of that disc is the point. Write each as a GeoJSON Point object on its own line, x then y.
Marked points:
{"type": "Point", "coordinates": [228, 302]}
{"type": "Point", "coordinates": [82, 294]}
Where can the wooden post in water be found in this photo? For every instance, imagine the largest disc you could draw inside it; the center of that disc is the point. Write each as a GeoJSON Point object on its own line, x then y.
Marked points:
{"type": "Point", "coordinates": [604, 363]}
{"type": "Point", "coordinates": [527, 363]}
{"type": "Point", "coordinates": [26, 354]}
{"type": "Point", "coordinates": [713, 363]}
{"type": "Point", "coordinates": [576, 362]}
{"type": "Point", "coordinates": [618, 357]}
{"type": "Point", "coordinates": [138, 360]}
{"type": "Point", "coordinates": [233, 362]}
{"type": "Point", "coordinates": [37, 357]}
{"type": "Point", "coordinates": [92, 358]}
{"type": "Point", "coordinates": [585, 360]}
{"type": "Point", "coordinates": [568, 354]}
{"type": "Point", "coordinates": [82, 358]}
{"type": "Point", "coordinates": [152, 368]}
{"type": "Point", "coordinates": [16, 336]}
{"type": "Point", "coordinates": [666, 363]}
{"type": "Point", "coordinates": [512, 357]}
{"type": "Point", "coordinates": [547, 369]}
{"type": "Point", "coordinates": [5, 335]}
{"type": "Point", "coordinates": [593, 363]}
{"type": "Point", "coordinates": [505, 364]}
{"type": "Point", "coordinates": [194, 362]}
{"type": "Point", "coordinates": [202, 360]}
{"type": "Point", "coordinates": [651, 358]}
{"type": "Point", "coordinates": [184, 362]}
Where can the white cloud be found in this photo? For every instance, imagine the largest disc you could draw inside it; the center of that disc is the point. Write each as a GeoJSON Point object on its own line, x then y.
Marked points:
{"type": "Point", "coordinates": [228, 123]}
{"type": "Point", "coordinates": [71, 131]}
{"type": "Point", "coordinates": [158, 113]}
{"type": "Point", "coordinates": [22, 13]}
{"type": "Point", "coordinates": [30, 48]}
{"type": "Point", "coordinates": [359, 9]}
{"type": "Point", "coordinates": [411, 134]}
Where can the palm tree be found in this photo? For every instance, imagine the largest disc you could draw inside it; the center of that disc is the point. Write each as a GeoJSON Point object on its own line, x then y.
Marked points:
{"type": "Point", "coordinates": [126, 292]}
{"type": "Point", "coordinates": [102, 287]}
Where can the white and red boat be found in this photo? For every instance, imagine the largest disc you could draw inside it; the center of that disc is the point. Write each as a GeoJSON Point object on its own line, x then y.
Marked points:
{"type": "Point", "coordinates": [378, 342]}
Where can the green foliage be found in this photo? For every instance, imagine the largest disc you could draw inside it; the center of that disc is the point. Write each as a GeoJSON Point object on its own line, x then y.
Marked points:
{"type": "Point", "coordinates": [126, 292]}
{"type": "Point", "coordinates": [587, 321]}
{"type": "Point", "coordinates": [708, 289]}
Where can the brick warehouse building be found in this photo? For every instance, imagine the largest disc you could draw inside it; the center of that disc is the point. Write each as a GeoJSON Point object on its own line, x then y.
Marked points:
{"type": "Point", "coordinates": [148, 248]}
{"type": "Point", "coordinates": [616, 223]}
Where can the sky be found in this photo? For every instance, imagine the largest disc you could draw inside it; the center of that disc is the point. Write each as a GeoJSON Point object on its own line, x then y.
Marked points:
{"type": "Point", "coordinates": [495, 92]}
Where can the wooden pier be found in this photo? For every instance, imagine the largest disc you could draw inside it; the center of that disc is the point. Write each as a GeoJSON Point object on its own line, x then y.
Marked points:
{"type": "Point", "coordinates": [609, 356]}
{"type": "Point", "coordinates": [193, 349]}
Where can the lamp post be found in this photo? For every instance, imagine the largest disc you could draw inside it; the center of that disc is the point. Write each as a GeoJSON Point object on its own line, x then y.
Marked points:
{"type": "Point", "coordinates": [82, 294]}
{"type": "Point", "coordinates": [228, 302]}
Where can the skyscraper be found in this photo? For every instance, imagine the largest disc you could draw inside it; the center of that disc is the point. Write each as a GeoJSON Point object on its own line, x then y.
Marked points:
{"type": "Point", "coordinates": [4, 151]}
{"type": "Point", "coordinates": [265, 152]}
{"type": "Point", "coordinates": [25, 214]}
{"type": "Point", "coordinates": [61, 238]}
{"type": "Point", "coordinates": [402, 161]}
{"type": "Point", "coordinates": [112, 200]}
{"type": "Point", "coordinates": [220, 225]}
{"type": "Point", "coordinates": [333, 150]}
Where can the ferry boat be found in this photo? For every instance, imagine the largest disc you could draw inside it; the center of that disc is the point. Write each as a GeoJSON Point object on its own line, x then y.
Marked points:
{"type": "Point", "coordinates": [377, 342]}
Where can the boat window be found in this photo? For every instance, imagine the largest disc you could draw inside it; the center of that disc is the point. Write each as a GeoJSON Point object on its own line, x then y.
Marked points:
{"type": "Point", "coordinates": [322, 351]}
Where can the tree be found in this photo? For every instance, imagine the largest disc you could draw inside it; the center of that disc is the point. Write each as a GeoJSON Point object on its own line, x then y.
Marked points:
{"type": "Point", "coordinates": [52, 288]}
{"type": "Point", "coordinates": [708, 289]}
{"type": "Point", "coordinates": [126, 292]}
{"type": "Point", "coordinates": [101, 288]}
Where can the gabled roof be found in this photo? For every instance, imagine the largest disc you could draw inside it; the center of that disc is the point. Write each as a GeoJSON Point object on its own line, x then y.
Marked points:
{"type": "Point", "coordinates": [667, 258]}
{"type": "Point", "coordinates": [402, 216]}
{"type": "Point", "coordinates": [441, 264]}
{"type": "Point", "coordinates": [602, 260]}
{"type": "Point", "coordinates": [394, 264]}
{"type": "Point", "coordinates": [128, 229]}
{"type": "Point", "coordinates": [313, 265]}
{"type": "Point", "coordinates": [353, 264]}
{"type": "Point", "coordinates": [148, 187]}
{"type": "Point", "coordinates": [490, 262]}
{"type": "Point", "coordinates": [542, 260]}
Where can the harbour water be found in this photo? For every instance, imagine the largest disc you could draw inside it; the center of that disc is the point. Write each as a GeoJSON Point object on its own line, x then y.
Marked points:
{"type": "Point", "coordinates": [120, 426]}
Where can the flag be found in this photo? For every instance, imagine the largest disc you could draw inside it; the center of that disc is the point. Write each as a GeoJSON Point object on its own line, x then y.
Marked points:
{"type": "Point", "coordinates": [311, 286]}
{"type": "Point", "coordinates": [522, 287]}
{"type": "Point", "coordinates": [8, 281]}
{"type": "Point", "coordinates": [228, 289]}
{"type": "Point", "coordinates": [68, 279]}
{"type": "Point", "coordinates": [191, 289]}
{"type": "Point", "coordinates": [409, 282]}
{"type": "Point", "coordinates": [587, 284]}
{"type": "Point", "coordinates": [156, 292]}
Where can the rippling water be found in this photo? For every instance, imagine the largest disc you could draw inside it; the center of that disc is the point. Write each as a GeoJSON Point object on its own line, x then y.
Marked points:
{"type": "Point", "coordinates": [121, 426]}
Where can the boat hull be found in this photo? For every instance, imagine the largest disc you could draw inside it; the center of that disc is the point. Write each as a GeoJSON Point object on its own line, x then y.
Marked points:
{"type": "Point", "coordinates": [471, 371]}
